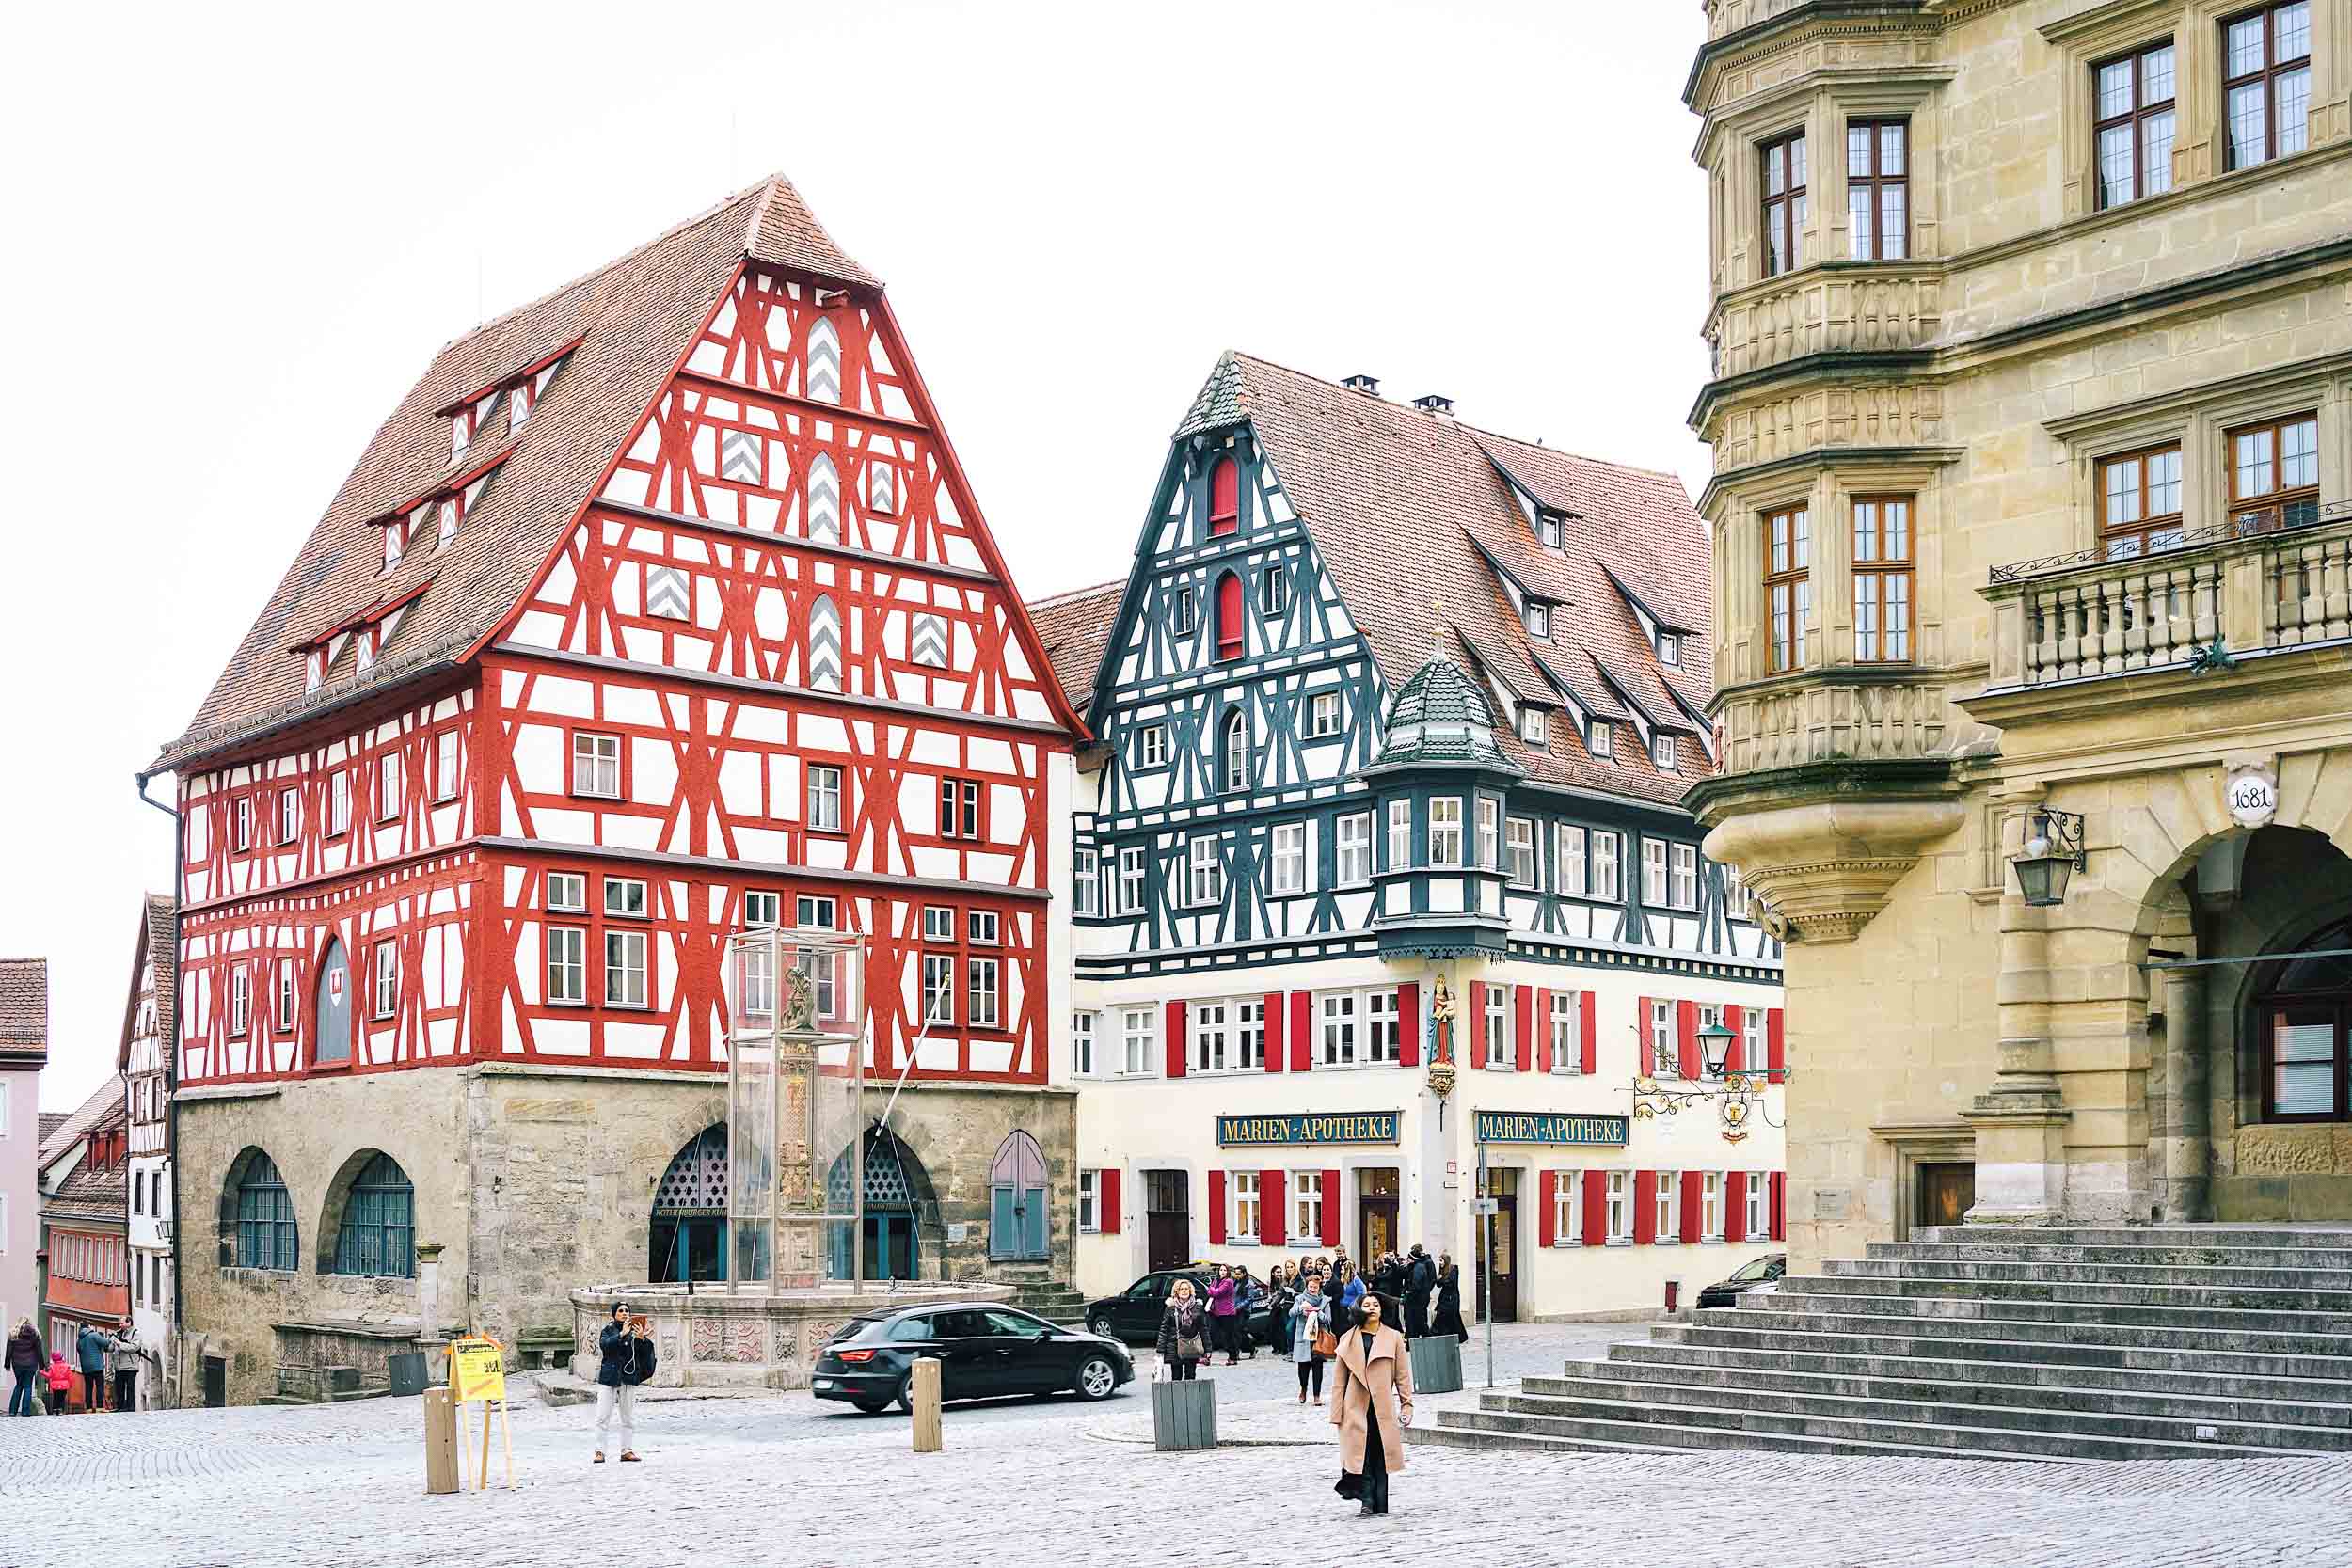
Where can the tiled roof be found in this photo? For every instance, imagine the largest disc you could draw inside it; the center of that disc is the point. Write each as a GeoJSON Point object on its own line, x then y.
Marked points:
{"type": "Point", "coordinates": [88, 1192]}
{"type": "Point", "coordinates": [1440, 715]}
{"type": "Point", "coordinates": [156, 942]}
{"type": "Point", "coordinates": [1073, 627]}
{"type": "Point", "coordinates": [25, 1008]}
{"type": "Point", "coordinates": [632, 319]}
{"type": "Point", "coordinates": [1382, 484]}
{"type": "Point", "coordinates": [52, 1120]}
{"type": "Point", "coordinates": [109, 1097]}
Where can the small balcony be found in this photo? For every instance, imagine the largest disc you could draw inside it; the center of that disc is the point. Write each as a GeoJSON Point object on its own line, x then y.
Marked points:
{"type": "Point", "coordinates": [1837, 307]}
{"type": "Point", "coordinates": [2262, 581]}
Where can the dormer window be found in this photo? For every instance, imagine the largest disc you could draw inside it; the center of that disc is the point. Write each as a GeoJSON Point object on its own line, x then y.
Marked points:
{"type": "Point", "coordinates": [395, 541]}
{"type": "Point", "coordinates": [314, 669]}
{"type": "Point", "coordinates": [448, 511]}
{"type": "Point", "coordinates": [1669, 647]}
{"type": "Point", "coordinates": [1661, 751]}
{"type": "Point", "coordinates": [1539, 620]}
{"type": "Point", "coordinates": [1547, 529]}
{"type": "Point", "coordinates": [1535, 728]}
{"type": "Point", "coordinates": [1598, 738]}
{"type": "Point", "coordinates": [460, 432]}
{"type": "Point", "coordinates": [366, 653]}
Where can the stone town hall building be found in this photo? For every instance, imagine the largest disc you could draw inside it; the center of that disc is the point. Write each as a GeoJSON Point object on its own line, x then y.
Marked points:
{"type": "Point", "coordinates": [658, 608]}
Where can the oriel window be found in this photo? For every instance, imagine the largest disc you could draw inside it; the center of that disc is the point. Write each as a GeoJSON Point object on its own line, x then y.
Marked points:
{"type": "Point", "coordinates": [1788, 584]}
{"type": "Point", "coordinates": [1878, 190]}
{"type": "Point", "coordinates": [1783, 202]}
{"type": "Point", "coordinates": [1882, 579]}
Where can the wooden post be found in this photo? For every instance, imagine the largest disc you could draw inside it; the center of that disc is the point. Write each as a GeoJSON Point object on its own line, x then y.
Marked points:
{"type": "Point", "coordinates": [485, 1471]}
{"type": "Point", "coordinates": [926, 1390]}
{"type": "Point", "coordinates": [440, 1442]}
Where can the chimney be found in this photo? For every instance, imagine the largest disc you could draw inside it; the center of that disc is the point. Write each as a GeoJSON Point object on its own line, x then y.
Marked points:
{"type": "Point", "coordinates": [1432, 402]}
{"type": "Point", "coordinates": [1368, 384]}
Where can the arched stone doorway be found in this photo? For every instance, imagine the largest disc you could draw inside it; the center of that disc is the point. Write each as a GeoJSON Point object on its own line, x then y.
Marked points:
{"type": "Point", "coordinates": [689, 1238]}
{"type": "Point", "coordinates": [898, 1196]}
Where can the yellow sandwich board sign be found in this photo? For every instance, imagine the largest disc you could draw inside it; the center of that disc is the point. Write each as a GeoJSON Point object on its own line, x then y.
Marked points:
{"type": "Point", "coordinates": [477, 1370]}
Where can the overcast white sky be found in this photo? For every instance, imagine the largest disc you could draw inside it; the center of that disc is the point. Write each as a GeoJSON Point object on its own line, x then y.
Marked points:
{"type": "Point", "coordinates": [234, 244]}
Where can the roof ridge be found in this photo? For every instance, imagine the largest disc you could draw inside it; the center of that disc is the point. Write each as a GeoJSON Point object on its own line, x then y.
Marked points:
{"type": "Point", "coordinates": [1069, 594]}
{"type": "Point", "coordinates": [1479, 430]}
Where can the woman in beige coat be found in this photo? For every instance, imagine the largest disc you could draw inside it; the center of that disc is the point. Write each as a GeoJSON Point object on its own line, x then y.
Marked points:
{"type": "Point", "coordinates": [1371, 1404]}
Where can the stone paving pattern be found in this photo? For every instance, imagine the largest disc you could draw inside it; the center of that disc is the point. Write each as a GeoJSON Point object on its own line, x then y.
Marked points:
{"type": "Point", "coordinates": [787, 1481]}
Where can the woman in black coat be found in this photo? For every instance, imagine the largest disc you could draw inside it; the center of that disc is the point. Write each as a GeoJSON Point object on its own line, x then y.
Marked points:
{"type": "Point", "coordinates": [1448, 1317]}
{"type": "Point", "coordinates": [1184, 1332]}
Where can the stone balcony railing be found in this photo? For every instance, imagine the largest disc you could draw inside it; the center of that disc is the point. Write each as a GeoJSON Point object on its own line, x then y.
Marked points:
{"type": "Point", "coordinates": [1839, 716]}
{"type": "Point", "coordinates": [1842, 307]}
{"type": "Point", "coordinates": [2236, 587]}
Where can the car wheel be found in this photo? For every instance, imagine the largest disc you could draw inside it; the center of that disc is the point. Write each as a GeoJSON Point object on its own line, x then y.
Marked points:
{"type": "Point", "coordinates": [1099, 1324]}
{"type": "Point", "coordinates": [1097, 1378]}
{"type": "Point", "coordinates": [906, 1393]}
{"type": "Point", "coordinates": [871, 1408]}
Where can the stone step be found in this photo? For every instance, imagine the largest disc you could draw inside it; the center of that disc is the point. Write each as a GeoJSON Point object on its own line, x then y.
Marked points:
{"type": "Point", "coordinates": [2083, 1412]}
{"type": "Point", "coordinates": [1587, 1434]}
{"type": "Point", "coordinates": [2204, 1337]}
{"type": "Point", "coordinates": [2061, 1272]}
{"type": "Point", "coordinates": [2211, 1297]}
{"type": "Point", "coordinates": [2143, 1235]}
{"type": "Point", "coordinates": [2320, 1259]}
{"type": "Point", "coordinates": [2016, 1309]}
{"type": "Point", "coordinates": [1741, 1424]}
{"type": "Point", "coordinates": [2020, 1377]}
{"type": "Point", "coordinates": [1739, 1330]}
{"type": "Point", "coordinates": [1442, 1437]}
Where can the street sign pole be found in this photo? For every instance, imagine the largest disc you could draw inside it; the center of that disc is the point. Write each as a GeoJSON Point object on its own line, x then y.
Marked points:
{"type": "Point", "coordinates": [1486, 1264]}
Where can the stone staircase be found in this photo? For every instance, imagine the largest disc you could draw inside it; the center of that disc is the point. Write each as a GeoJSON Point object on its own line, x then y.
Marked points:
{"type": "Point", "coordinates": [1985, 1342]}
{"type": "Point", "coordinates": [1056, 1304]}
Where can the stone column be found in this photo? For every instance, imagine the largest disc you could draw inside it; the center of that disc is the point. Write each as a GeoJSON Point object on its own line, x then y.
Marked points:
{"type": "Point", "coordinates": [2184, 1115]}
{"type": "Point", "coordinates": [429, 1292]}
{"type": "Point", "coordinates": [2021, 1120]}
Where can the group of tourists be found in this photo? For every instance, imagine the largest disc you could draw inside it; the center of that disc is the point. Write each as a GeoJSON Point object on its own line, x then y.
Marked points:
{"type": "Point", "coordinates": [1325, 1310]}
{"type": "Point", "coordinates": [43, 1379]}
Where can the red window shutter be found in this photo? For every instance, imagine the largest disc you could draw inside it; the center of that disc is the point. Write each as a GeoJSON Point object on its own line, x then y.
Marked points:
{"type": "Point", "coordinates": [1475, 1053]}
{"type": "Point", "coordinates": [1229, 632]}
{"type": "Point", "coordinates": [1650, 1041]}
{"type": "Point", "coordinates": [1106, 1213]}
{"type": "Point", "coordinates": [1216, 1207]}
{"type": "Point", "coordinates": [1687, 1038]}
{"type": "Point", "coordinates": [1776, 1046]}
{"type": "Point", "coordinates": [1274, 1031]}
{"type": "Point", "coordinates": [1302, 1030]}
{"type": "Point", "coordinates": [1547, 1232]}
{"type": "Point", "coordinates": [1544, 1056]}
{"type": "Point", "coordinates": [1591, 1043]}
{"type": "Point", "coordinates": [1225, 497]}
{"type": "Point", "coordinates": [1736, 1205]}
{"type": "Point", "coordinates": [1331, 1208]}
{"type": "Point", "coordinates": [1176, 1040]}
{"type": "Point", "coordinates": [1408, 1025]}
{"type": "Point", "coordinates": [1690, 1206]}
{"type": "Point", "coordinates": [1270, 1229]}
{"type": "Point", "coordinates": [1644, 1207]}
{"type": "Point", "coordinates": [1523, 999]}
{"type": "Point", "coordinates": [1780, 1203]}
{"type": "Point", "coordinates": [1595, 1209]}
{"type": "Point", "coordinates": [1733, 1059]}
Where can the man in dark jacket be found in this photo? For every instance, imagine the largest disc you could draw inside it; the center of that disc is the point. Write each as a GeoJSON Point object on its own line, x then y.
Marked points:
{"type": "Point", "coordinates": [626, 1360]}
{"type": "Point", "coordinates": [1420, 1279]}
{"type": "Point", "coordinates": [27, 1358]}
{"type": "Point", "coordinates": [91, 1345]}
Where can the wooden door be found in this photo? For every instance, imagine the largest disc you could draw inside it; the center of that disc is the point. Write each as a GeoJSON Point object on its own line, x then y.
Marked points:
{"type": "Point", "coordinates": [1946, 1193]}
{"type": "Point", "coordinates": [1376, 1216]}
{"type": "Point", "coordinates": [1167, 1218]}
{"type": "Point", "coordinates": [1498, 1237]}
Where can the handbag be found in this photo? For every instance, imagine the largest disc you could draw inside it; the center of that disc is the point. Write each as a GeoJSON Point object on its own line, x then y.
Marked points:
{"type": "Point", "coordinates": [1326, 1343]}
{"type": "Point", "coordinates": [1189, 1347]}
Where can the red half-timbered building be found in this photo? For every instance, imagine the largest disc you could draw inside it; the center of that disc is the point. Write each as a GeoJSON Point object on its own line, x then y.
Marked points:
{"type": "Point", "coordinates": [659, 608]}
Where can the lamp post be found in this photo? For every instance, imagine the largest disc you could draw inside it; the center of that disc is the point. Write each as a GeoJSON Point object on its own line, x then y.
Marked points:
{"type": "Point", "coordinates": [2053, 853]}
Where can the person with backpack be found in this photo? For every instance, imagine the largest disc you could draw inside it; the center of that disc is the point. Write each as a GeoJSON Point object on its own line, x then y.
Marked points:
{"type": "Point", "coordinates": [27, 1356]}
{"type": "Point", "coordinates": [61, 1379]}
{"type": "Point", "coordinates": [626, 1360]}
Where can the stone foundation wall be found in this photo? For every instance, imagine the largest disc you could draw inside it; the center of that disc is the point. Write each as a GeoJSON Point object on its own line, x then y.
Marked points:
{"type": "Point", "coordinates": [714, 1339]}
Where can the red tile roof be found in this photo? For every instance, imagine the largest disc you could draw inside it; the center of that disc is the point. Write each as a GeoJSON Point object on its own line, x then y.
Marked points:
{"type": "Point", "coordinates": [108, 1099]}
{"type": "Point", "coordinates": [632, 319]}
{"type": "Point", "coordinates": [1411, 514]}
{"type": "Point", "coordinates": [1073, 627]}
{"type": "Point", "coordinates": [158, 940]}
{"type": "Point", "coordinates": [24, 1010]}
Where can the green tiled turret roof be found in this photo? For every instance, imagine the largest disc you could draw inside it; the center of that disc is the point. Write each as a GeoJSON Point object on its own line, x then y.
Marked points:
{"type": "Point", "coordinates": [1441, 716]}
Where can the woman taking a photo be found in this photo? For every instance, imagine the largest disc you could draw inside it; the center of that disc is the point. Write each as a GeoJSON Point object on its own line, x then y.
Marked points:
{"type": "Point", "coordinates": [1371, 1404]}
{"type": "Point", "coordinates": [1183, 1333]}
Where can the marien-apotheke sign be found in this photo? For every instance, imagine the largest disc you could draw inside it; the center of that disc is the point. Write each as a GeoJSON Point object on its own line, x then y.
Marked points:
{"type": "Point", "coordinates": [1548, 1127]}
{"type": "Point", "coordinates": [1312, 1127]}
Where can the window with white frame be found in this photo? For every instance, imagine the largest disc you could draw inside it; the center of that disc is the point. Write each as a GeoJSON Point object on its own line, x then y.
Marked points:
{"type": "Point", "coordinates": [763, 909]}
{"type": "Point", "coordinates": [445, 774]}
{"type": "Point", "coordinates": [596, 765]}
{"type": "Point", "coordinates": [1568, 1031]}
{"type": "Point", "coordinates": [1212, 1031]}
{"type": "Point", "coordinates": [1661, 1038]}
{"type": "Point", "coordinates": [567, 891]}
{"type": "Point", "coordinates": [1710, 1017]}
{"type": "Point", "coordinates": [1711, 1206]}
{"type": "Point", "coordinates": [1249, 1034]}
{"type": "Point", "coordinates": [240, 833]}
{"type": "Point", "coordinates": [1338, 1010]}
{"type": "Point", "coordinates": [1661, 751]}
{"type": "Point", "coordinates": [624, 895]}
{"type": "Point", "coordinates": [824, 798]}
{"type": "Point", "coordinates": [981, 927]}
{"type": "Point", "coordinates": [1242, 1187]}
{"type": "Point", "coordinates": [624, 968]}
{"type": "Point", "coordinates": [567, 964]}
{"type": "Point", "coordinates": [1547, 529]}
{"type": "Point", "coordinates": [339, 804]}
{"type": "Point", "coordinates": [387, 992]}
{"type": "Point", "coordinates": [1399, 835]}
{"type": "Point", "coordinates": [938, 988]}
{"type": "Point", "coordinates": [1306, 1206]}
{"type": "Point", "coordinates": [1539, 620]}
{"type": "Point", "coordinates": [1184, 610]}
{"type": "Point", "coordinates": [1599, 739]}
{"type": "Point", "coordinates": [1205, 885]}
{"type": "Point", "coordinates": [1288, 872]}
{"type": "Point", "coordinates": [1535, 728]}
{"type": "Point", "coordinates": [1735, 894]}
{"type": "Point", "coordinates": [1669, 647]}
{"type": "Point", "coordinates": [1237, 758]}
{"type": "Point", "coordinates": [1568, 857]}
{"type": "Point", "coordinates": [1131, 881]}
{"type": "Point", "coordinates": [984, 976]}
{"type": "Point", "coordinates": [1086, 884]}
{"type": "Point", "coordinates": [1566, 1226]}
{"type": "Point", "coordinates": [285, 996]}
{"type": "Point", "coordinates": [1352, 855]}
{"type": "Point", "coordinates": [1667, 1227]}
{"type": "Point", "coordinates": [1519, 844]}
{"type": "Point", "coordinates": [1152, 746]}
{"type": "Point", "coordinates": [289, 816]}
{"type": "Point", "coordinates": [1383, 1026]}
{"type": "Point", "coordinates": [1089, 1222]}
{"type": "Point", "coordinates": [820, 912]}
{"type": "Point", "coordinates": [1139, 1029]}
{"type": "Point", "coordinates": [1608, 847]}
{"type": "Point", "coordinates": [1752, 1046]}
{"type": "Point", "coordinates": [1682, 877]}
{"type": "Point", "coordinates": [240, 1001]}
{"type": "Point", "coordinates": [1760, 1200]}
{"type": "Point", "coordinates": [1274, 590]}
{"type": "Point", "coordinates": [1489, 833]}
{"type": "Point", "coordinates": [1324, 713]}
{"type": "Point", "coordinates": [1495, 1028]}
{"type": "Point", "coordinates": [1445, 832]}
{"type": "Point", "coordinates": [1654, 873]}
{"type": "Point", "coordinates": [1620, 1205]}
{"type": "Point", "coordinates": [1082, 1043]}
{"type": "Point", "coordinates": [387, 781]}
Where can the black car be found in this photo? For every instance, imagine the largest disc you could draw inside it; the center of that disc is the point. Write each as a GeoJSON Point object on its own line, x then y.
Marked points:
{"type": "Point", "coordinates": [1133, 1316]}
{"type": "Point", "coordinates": [1764, 1271]}
{"type": "Point", "coordinates": [984, 1350]}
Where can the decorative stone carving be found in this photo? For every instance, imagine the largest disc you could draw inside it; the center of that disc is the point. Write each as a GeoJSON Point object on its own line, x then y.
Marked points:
{"type": "Point", "coordinates": [725, 1340]}
{"type": "Point", "coordinates": [2263, 1150]}
{"type": "Point", "coordinates": [1825, 868]}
